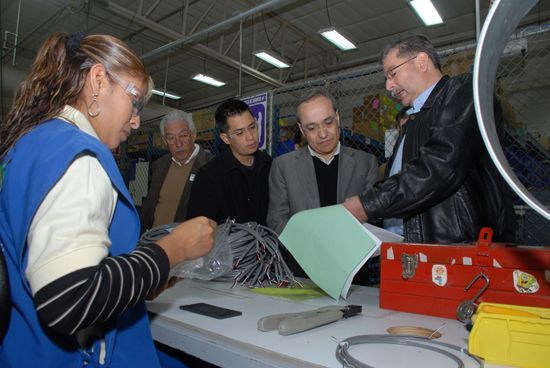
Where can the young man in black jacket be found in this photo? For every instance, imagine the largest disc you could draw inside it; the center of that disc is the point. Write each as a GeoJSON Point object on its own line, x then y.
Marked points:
{"type": "Point", "coordinates": [443, 184]}
{"type": "Point", "coordinates": [235, 183]}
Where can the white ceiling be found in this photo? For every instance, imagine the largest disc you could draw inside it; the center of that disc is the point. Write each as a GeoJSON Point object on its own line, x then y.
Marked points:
{"type": "Point", "coordinates": [289, 27]}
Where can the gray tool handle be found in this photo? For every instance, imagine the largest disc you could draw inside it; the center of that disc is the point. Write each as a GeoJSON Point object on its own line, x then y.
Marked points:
{"type": "Point", "coordinates": [271, 323]}
{"type": "Point", "coordinates": [298, 324]}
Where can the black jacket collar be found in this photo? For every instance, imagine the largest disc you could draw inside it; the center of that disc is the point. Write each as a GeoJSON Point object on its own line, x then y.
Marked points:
{"type": "Point", "coordinates": [433, 95]}
{"type": "Point", "coordinates": [232, 163]}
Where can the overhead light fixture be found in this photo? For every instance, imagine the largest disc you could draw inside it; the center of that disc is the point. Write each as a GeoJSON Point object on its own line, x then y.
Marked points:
{"type": "Point", "coordinates": [272, 58]}
{"type": "Point", "coordinates": [208, 80]}
{"type": "Point", "coordinates": [336, 38]}
{"type": "Point", "coordinates": [426, 11]}
{"type": "Point", "coordinates": [166, 94]}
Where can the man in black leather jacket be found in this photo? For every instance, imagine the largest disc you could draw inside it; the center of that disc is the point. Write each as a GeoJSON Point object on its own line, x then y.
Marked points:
{"type": "Point", "coordinates": [444, 186]}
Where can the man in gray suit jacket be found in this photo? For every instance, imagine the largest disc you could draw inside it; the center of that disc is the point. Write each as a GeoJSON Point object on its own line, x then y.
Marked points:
{"type": "Point", "coordinates": [173, 174]}
{"type": "Point", "coordinates": [324, 173]}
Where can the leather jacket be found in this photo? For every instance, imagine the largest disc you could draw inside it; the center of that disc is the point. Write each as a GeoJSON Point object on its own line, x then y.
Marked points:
{"type": "Point", "coordinates": [448, 188]}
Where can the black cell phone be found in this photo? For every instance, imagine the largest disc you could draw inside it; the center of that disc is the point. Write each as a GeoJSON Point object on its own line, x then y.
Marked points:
{"type": "Point", "coordinates": [210, 310]}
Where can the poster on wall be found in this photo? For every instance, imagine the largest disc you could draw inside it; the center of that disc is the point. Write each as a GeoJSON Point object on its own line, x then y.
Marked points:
{"type": "Point", "coordinates": [258, 106]}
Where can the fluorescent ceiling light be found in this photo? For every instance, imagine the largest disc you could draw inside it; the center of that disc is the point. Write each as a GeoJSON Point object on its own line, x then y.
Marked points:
{"type": "Point", "coordinates": [272, 59]}
{"type": "Point", "coordinates": [336, 38]}
{"type": "Point", "coordinates": [167, 94]}
{"type": "Point", "coordinates": [208, 80]}
{"type": "Point", "coordinates": [426, 11]}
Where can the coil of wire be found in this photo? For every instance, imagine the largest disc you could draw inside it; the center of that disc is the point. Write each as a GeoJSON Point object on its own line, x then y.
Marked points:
{"type": "Point", "coordinates": [422, 342]}
{"type": "Point", "coordinates": [257, 253]}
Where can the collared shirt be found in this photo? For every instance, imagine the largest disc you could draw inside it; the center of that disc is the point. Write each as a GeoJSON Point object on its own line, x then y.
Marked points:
{"type": "Point", "coordinates": [336, 152]}
{"type": "Point", "coordinates": [396, 225]}
{"type": "Point", "coordinates": [77, 188]}
{"type": "Point", "coordinates": [195, 152]}
{"type": "Point", "coordinates": [61, 239]}
{"type": "Point", "coordinates": [420, 100]}
{"type": "Point", "coordinates": [75, 117]}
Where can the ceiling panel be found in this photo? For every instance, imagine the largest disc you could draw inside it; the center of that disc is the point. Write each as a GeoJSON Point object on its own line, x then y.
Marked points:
{"type": "Point", "coordinates": [371, 24]}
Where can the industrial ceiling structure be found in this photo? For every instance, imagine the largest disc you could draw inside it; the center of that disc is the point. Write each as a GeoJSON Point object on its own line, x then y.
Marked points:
{"type": "Point", "coordinates": [177, 39]}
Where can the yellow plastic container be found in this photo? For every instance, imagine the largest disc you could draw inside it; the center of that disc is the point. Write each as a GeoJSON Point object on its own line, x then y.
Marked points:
{"type": "Point", "coordinates": [512, 340]}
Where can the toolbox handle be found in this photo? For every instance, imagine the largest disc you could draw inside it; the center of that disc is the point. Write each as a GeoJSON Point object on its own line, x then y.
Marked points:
{"type": "Point", "coordinates": [485, 235]}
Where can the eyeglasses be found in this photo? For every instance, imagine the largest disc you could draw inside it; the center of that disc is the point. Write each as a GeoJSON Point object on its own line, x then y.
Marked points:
{"type": "Point", "coordinates": [182, 137]}
{"type": "Point", "coordinates": [138, 99]}
{"type": "Point", "coordinates": [240, 133]}
{"type": "Point", "coordinates": [392, 73]}
{"type": "Point", "coordinates": [314, 128]}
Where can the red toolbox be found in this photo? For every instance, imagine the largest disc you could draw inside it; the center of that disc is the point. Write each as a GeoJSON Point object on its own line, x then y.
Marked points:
{"type": "Point", "coordinates": [438, 279]}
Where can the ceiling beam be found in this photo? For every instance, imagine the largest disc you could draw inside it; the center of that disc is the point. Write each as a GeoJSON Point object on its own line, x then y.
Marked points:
{"type": "Point", "coordinates": [233, 40]}
{"type": "Point", "coordinates": [297, 31]}
{"type": "Point", "coordinates": [204, 14]}
{"type": "Point", "coordinates": [235, 63]}
{"type": "Point", "coordinates": [153, 7]}
{"type": "Point", "coordinates": [295, 60]}
{"type": "Point", "coordinates": [270, 44]}
{"type": "Point", "coordinates": [201, 48]}
{"type": "Point", "coordinates": [180, 40]}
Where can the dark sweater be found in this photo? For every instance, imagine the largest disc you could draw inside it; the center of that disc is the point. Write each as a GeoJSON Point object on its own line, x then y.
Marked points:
{"type": "Point", "coordinates": [225, 188]}
{"type": "Point", "coordinates": [327, 181]}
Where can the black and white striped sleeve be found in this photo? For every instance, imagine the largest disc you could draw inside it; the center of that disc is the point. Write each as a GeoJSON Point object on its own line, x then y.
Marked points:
{"type": "Point", "coordinates": [94, 294]}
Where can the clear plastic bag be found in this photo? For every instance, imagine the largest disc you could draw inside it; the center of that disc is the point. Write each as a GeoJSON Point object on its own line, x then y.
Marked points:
{"type": "Point", "coordinates": [215, 264]}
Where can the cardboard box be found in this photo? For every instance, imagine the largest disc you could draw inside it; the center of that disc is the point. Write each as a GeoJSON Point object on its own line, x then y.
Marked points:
{"type": "Point", "coordinates": [508, 113]}
{"type": "Point", "coordinates": [369, 129]}
{"type": "Point", "coordinates": [459, 63]}
{"type": "Point", "coordinates": [520, 128]}
{"type": "Point", "coordinates": [545, 142]}
{"type": "Point", "coordinates": [135, 139]}
{"type": "Point", "coordinates": [375, 116]}
{"type": "Point", "coordinates": [204, 124]}
{"type": "Point", "coordinates": [286, 122]}
{"type": "Point", "coordinates": [158, 142]}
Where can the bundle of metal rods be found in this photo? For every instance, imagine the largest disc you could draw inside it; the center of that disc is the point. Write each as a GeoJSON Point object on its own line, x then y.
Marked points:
{"type": "Point", "coordinates": [257, 257]}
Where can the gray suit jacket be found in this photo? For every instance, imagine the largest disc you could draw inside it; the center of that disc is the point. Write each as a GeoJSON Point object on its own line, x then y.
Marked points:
{"type": "Point", "coordinates": [158, 174]}
{"type": "Point", "coordinates": [293, 185]}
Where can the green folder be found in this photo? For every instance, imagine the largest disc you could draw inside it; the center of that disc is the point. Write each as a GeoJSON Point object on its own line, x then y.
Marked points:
{"type": "Point", "coordinates": [331, 246]}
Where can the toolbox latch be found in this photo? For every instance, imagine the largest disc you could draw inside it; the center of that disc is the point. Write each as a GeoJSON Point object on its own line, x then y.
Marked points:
{"type": "Point", "coordinates": [409, 263]}
{"type": "Point", "coordinates": [485, 235]}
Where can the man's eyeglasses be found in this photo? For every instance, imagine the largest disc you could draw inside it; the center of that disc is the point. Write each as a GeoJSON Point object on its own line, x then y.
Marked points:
{"type": "Point", "coordinates": [138, 99]}
{"type": "Point", "coordinates": [240, 133]}
{"type": "Point", "coordinates": [314, 128]}
{"type": "Point", "coordinates": [182, 137]}
{"type": "Point", "coordinates": [391, 73]}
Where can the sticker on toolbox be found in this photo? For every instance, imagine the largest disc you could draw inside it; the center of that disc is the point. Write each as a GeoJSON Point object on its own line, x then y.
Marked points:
{"type": "Point", "coordinates": [389, 255]}
{"type": "Point", "coordinates": [525, 283]}
{"type": "Point", "coordinates": [439, 274]}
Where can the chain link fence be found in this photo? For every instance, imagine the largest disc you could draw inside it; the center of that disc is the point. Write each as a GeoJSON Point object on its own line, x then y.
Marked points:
{"type": "Point", "coordinates": [368, 120]}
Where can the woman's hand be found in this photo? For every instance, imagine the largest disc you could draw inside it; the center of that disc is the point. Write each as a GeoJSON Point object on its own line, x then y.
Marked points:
{"type": "Point", "coordinates": [190, 240]}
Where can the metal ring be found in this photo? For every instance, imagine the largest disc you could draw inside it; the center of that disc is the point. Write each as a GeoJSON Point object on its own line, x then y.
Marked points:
{"type": "Point", "coordinates": [502, 20]}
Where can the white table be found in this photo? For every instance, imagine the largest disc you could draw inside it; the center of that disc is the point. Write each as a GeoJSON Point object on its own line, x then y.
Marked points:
{"type": "Point", "coordinates": [236, 342]}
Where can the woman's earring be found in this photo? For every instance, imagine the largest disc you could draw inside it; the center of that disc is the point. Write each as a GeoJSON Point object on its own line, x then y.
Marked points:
{"type": "Point", "coordinates": [90, 105]}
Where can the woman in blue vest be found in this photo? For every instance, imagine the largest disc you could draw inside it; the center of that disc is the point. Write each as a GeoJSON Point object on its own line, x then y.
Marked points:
{"type": "Point", "coordinates": [68, 226]}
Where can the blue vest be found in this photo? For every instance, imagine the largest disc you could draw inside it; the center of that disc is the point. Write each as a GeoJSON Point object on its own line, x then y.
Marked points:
{"type": "Point", "coordinates": [34, 166]}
